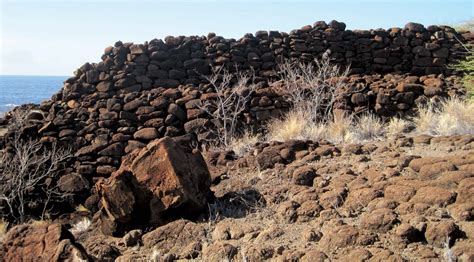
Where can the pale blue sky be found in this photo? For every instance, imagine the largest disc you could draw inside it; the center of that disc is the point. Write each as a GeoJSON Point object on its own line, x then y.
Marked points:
{"type": "Point", "coordinates": [51, 37]}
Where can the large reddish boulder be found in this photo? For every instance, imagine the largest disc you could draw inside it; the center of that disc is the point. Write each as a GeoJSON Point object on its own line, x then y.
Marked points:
{"type": "Point", "coordinates": [161, 181]}
{"type": "Point", "coordinates": [41, 241]}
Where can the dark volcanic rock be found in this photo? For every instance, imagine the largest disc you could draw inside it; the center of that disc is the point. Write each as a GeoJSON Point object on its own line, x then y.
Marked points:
{"type": "Point", "coordinates": [160, 181]}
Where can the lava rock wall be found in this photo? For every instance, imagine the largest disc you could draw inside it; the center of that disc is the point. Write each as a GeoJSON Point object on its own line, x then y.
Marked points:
{"type": "Point", "coordinates": [140, 92]}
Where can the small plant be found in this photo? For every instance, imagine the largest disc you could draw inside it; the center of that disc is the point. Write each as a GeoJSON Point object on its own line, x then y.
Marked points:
{"type": "Point", "coordinates": [244, 143]}
{"type": "Point", "coordinates": [338, 130]}
{"type": "Point", "coordinates": [397, 126]}
{"type": "Point", "coordinates": [80, 226]}
{"type": "Point", "coordinates": [452, 116]}
{"type": "Point", "coordinates": [466, 66]}
{"type": "Point", "coordinates": [465, 26]}
{"type": "Point", "coordinates": [231, 101]}
{"type": "Point", "coordinates": [455, 117]}
{"type": "Point", "coordinates": [313, 87]}
{"type": "Point", "coordinates": [81, 208]}
{"type": "Point", "coordinates": [448, 253]}
{"type": "Point", "coordinates": [28, 176]}
{"type": "Point", "coordinates": [368, 127]}
{"type": "Point", "coordinates": [3, 229]}
{"type": "Point", "coordinates": [425, 120]}
{"type": "Point", "coordinates": [296, 124]}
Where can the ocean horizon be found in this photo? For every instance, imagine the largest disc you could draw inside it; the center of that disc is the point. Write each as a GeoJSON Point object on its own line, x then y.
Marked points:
{"type": "Point", "coordinates": [16, 90]}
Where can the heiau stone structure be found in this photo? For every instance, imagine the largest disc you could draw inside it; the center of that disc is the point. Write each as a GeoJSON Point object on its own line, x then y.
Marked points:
{"type": "Point", "coordinates": [140, 92]}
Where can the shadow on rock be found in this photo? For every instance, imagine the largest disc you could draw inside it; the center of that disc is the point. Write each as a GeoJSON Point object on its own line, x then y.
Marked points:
{"type": "Point", "coordinates": [236, 204]}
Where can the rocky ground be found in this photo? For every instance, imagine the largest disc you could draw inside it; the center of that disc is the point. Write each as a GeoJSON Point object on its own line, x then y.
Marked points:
{"type": "Point", "coordinates": [405, 199]}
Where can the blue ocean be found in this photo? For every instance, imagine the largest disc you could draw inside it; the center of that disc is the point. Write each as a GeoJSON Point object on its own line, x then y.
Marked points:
{"type": "Point", "coordinates": [17, 90]}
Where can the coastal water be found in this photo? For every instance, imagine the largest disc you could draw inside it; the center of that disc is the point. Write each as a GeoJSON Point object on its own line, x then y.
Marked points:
{"type": "Point", "coordinates": [17, 90]}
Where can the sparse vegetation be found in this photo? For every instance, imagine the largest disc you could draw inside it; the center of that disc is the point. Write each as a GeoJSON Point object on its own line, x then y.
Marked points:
{"type": "Point", "coordinates": [244, 143]}
{"type": "Point", "coordinates": [3, 229]}
{"type": "Point", "coordinates": [233, 93]}
{"type": "Point", "coordinates": [367, 127]}
{"type": "Point", "coordinates": [397, 126]}
{"type": "Point", "coordinates": [466, 65]}
{"type": "Point", "coordinates": [80, 226]}
{"type": "Point", "coordinates": [338, 129]}
{"type": "Point", "coordinates": [296, 124]}
{"type": "Point", "coordinates": [28, 177]}
{"type": "Point", "coordinates": [450, 117]}
{"type": "Point", "coordinates": [465, 26]}
{"type": "Point", "coordinates": [312, 91]}
{"type": "Point", "coordinates": [448, 252]}
{"type": "Point", "coordinates": [307, 200]}
{"type": "Point", "coordinates": [313, 87]}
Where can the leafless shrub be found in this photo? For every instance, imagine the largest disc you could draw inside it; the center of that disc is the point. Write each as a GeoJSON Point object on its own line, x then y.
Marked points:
{"type": "Point", "coordinates": [28, 175]}
{"type": "Point", "coordinates": [231, 101]}
{"type": "Point", "coordinates": [17, 119]}
{"type": "Point", "coordinates": [313, 87]}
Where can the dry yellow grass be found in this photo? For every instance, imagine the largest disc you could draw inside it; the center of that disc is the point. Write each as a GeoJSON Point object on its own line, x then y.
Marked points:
{"type": "Point", "coordinates": [337, 130]}
{"type": "Point", "coordinates": [3, 229]}
{"type": "Point", "coordinates": [396, 126]}
{"type": "Point", "coordinates": [244, 143]}
{"type": "Point", "coordinates": [80, 226]}
{"type": "Point", "coordinates": [81, 208]}
{"type": "Point", "coordinates": [425, 120]}
{"type": "Point", "coordinates": [453, 116]}
{"type": "Point", "coordinates": [366, 128]}
{"type": "Point", "coordinates": [296, 124]}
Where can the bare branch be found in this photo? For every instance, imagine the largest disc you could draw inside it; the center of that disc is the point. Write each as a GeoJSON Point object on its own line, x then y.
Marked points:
{"type": "Point", "coordinates": [313, 87]}
{"type": "Point", "coordinates": [28, 173]}
{"type": "Point", "coordinates": [231, 101]}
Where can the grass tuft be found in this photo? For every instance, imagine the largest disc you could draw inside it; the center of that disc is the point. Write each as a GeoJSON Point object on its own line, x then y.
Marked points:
{"type": "Point", "coordinates": [397, 126]}
{"type": "Point", "coordinates": [338, 129]}
{"type": "Point", "coordinates": [425, 120]}
{"type": "Point", "coordinates": [243, 144]}
{"type": "Point", "coordinates": [80, 226]}
{"type": "Point", "coordinates": [3, 229]}
{"type": "Point", "coordinates": [453, 116]}
{"type": "Point", "coordinates": [368, 127]}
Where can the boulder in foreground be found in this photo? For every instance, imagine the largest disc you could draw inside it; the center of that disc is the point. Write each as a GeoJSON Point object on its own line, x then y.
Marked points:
{"type": "Point", "coordinates": [41, 241]}
{"type": "Point", "coordinates": [162, 181]}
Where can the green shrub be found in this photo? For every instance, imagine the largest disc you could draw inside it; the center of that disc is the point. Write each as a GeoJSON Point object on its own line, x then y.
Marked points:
{"type": "Point", "coordinates": [467, 67]}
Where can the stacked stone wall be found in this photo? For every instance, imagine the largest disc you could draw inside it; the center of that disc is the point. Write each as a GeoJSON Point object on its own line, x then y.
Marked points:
{"type": "Point", "coordinates": [139, 92]}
